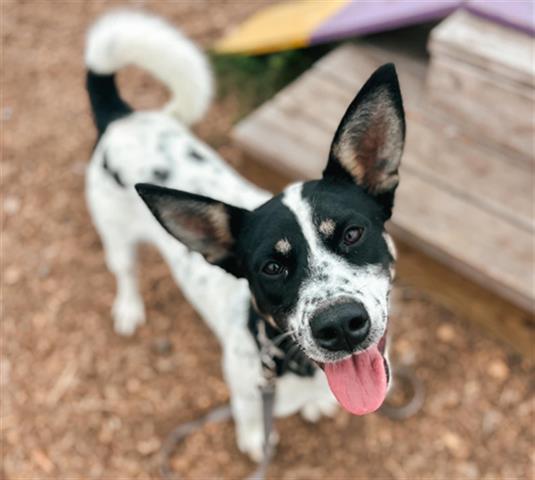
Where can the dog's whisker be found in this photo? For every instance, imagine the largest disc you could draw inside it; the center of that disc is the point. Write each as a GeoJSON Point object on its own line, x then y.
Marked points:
{"type": "Point", "coordinates": [280, 338]}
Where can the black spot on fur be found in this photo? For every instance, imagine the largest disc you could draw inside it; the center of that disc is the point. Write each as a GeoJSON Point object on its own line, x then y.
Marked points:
{"type": "Point", "coordinates": [196, 155]}
{"type": "Point", "coordinates": [164, 140]}
{"type": "Point", "coordinates": [160, 175]}
{"type": "Point", "coordinates": [112, 173]}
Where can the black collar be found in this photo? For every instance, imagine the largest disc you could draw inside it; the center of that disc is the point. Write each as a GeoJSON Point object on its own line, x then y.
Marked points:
{"type": "Point", "coordinates": [280, 354]}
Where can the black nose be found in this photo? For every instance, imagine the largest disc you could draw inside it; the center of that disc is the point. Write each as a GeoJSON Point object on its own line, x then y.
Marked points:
{"type": "Point", "coordinates": [341, 327]}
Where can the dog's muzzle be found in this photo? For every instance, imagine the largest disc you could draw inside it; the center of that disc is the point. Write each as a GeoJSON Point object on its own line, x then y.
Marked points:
{"type": "Point", "coordinates": [359, 380]}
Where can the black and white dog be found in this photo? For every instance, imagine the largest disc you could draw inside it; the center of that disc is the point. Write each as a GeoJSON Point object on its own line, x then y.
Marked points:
{"type": "Point", "coordinates": [306, 273]}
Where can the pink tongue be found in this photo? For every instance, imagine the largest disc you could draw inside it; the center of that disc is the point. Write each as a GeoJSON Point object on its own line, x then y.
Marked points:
{"type": "Point", "coordinates": [359, 382]}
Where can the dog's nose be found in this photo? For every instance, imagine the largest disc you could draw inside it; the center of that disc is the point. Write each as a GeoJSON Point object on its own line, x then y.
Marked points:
{"type": "Point", "coordinates": [341, 327]}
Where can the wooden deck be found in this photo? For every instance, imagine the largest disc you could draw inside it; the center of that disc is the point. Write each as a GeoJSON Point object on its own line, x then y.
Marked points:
{"type": "Point", "coordinates": [467, 207]}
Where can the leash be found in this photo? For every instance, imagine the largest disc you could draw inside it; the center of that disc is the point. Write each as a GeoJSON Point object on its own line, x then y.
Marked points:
{"type": "Point", "coordinates": [218, 414]}
{"type": "Point", "coordinates": [405, 375]}
{"type": "Point", "coordinates": [268, 352]}
{"type": "Point", "coordinates": [268, 404]}
{"type": "Point", "coordinates": [221, 414]}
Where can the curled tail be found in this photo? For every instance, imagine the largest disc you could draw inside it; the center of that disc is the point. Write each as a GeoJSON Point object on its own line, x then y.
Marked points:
{"type": "Point", "coordinates": [131, 38]}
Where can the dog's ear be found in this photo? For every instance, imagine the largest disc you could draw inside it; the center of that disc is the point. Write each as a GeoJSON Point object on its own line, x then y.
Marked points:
{"type": "Point", "coordinates": [368, 143]}
{"type": "Point", "coordinates": [202, 224]}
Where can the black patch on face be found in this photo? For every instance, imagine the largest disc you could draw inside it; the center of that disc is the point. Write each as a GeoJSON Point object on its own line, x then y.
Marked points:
{"type": "Point", "coordinates": [112, 173]}
{"type": "Point", "coordinates": [275, 295]}
{"type": "Point", "coordinates": [349, 205]}
{"type": "Point", "coordinates": [293, 359]}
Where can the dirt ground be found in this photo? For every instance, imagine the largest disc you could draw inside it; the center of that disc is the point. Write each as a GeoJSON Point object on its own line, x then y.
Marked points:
{"type": "Point", "coordinates": [77, 401]}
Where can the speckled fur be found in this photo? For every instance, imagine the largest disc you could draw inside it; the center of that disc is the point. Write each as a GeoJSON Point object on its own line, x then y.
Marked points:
{"type": "Point", "coordinates": [158, 147]}
{"type": "Point", "coordinates": [331, 280]}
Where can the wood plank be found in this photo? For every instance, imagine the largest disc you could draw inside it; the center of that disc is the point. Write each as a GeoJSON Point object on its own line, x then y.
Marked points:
{"type": "Point", "coordinates": [499, 50]}
{"type": "Point", "coordinates": [446, 156]}
{"type": "Point", "coordinates": [497, 255]}
{"type": "Point", "coordinates": [488, 107]}
{"type": "Point", "coordinates": [352, 64]}
{"type": "Point", "coordinates": [503, 320]}
{"type": "Point", "coordinates": [268, 143]}
{"type": "Point", "coordinates": [483, 75]}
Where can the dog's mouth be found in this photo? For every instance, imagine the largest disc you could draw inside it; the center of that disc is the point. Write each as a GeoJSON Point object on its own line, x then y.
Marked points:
{"type": "Point", "coordinates": [360, 382]}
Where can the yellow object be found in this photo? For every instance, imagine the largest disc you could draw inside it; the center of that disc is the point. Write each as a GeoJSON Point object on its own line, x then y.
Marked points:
{"type": "Point", "coordinates": [282, 26]}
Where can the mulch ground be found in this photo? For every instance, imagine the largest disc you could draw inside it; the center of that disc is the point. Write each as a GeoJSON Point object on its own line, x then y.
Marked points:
{"type": "Point", "coordinates": [77, 401]}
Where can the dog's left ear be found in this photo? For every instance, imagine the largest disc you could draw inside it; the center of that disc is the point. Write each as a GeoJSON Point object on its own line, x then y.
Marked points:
{"type": "Point", "coordinates": [202, 224]}
{"type": "Point", "coordinates": [368, 143]}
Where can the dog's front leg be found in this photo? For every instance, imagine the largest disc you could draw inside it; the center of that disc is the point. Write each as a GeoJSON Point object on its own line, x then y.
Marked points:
{"type": "Point", "coordinates": [243, 372]}
{"type": "Point", "coordinates": [247, 413]}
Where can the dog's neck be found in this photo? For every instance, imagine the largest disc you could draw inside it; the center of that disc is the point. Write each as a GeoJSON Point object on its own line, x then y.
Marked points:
{"type": "Point", "coordinates": [279, 353]}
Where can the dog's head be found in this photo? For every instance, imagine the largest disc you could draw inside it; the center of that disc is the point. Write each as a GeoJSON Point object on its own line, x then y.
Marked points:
{"type": "Point", "coordinates": [317, 257]}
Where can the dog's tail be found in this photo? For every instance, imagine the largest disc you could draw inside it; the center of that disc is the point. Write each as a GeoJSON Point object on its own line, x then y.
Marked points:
{"type": "Point", "coordinates": [132, 38]}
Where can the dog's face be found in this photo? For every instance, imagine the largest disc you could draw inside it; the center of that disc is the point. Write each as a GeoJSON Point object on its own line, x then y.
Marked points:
{"type": "Point", "coordinates": [317, 257]}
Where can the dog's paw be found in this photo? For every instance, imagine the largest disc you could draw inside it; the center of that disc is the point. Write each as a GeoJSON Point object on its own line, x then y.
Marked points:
{"type": "Point", "coordinates": [251, 442]}
{"type": "Point", "coordinates": [127, 316]}
{"type": "Point", "coordinates": [312, 412]}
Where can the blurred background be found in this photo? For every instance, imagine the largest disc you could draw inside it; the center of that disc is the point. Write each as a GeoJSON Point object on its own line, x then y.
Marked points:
{"type": "Point", "coordinates": [78, 401]}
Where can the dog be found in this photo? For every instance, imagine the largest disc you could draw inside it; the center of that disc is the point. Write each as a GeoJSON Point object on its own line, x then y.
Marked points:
{"type": "Point", "coordinates": [297, 283]}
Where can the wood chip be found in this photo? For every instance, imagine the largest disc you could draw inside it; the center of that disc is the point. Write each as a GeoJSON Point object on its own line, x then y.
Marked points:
{"type": "Point", "coordinates": [42, 460]}
{"type": "Point", "coordinates": [498, 369]}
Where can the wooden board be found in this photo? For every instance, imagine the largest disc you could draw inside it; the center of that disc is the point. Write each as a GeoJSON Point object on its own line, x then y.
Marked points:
{"type": "Point", "coordinates": [503, 320]}
{"type": "Point", "coordinates": [464, 205]}
{"type": "Point", "coordinates": [483, 75]}
{"type": "Point", "coordinates": [502, 51]}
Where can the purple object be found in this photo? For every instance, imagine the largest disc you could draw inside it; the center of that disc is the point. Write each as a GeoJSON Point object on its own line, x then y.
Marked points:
{"type": "Point", "coordinates": [364, 17]}
{"type": "Point", "coordinates": [518, 14]}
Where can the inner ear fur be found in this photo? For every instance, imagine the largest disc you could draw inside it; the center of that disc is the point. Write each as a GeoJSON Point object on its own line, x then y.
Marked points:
{"type": "Point", "coordinates": [368, 143]}
{"type": "Point", "coordinates": [202, 224]}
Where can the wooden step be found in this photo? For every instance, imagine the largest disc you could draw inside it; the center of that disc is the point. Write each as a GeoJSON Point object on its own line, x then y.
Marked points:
{"type": "Point", "coordinates": [483, 74]}
{"type": "Point", "coordinates": [461, 203]}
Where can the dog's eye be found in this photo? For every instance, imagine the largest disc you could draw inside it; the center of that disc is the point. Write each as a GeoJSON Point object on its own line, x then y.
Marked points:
{"type": "Point", "coordinates": [272, 268]}
{"type": "Point", "coordinates": [352, 235]}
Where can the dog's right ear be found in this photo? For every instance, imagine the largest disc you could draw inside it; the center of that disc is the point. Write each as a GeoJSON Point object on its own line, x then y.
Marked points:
{"type": "Point", "coordinates": [368, 143]}
{"type": "Point", "coordinates": [202, 224]}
